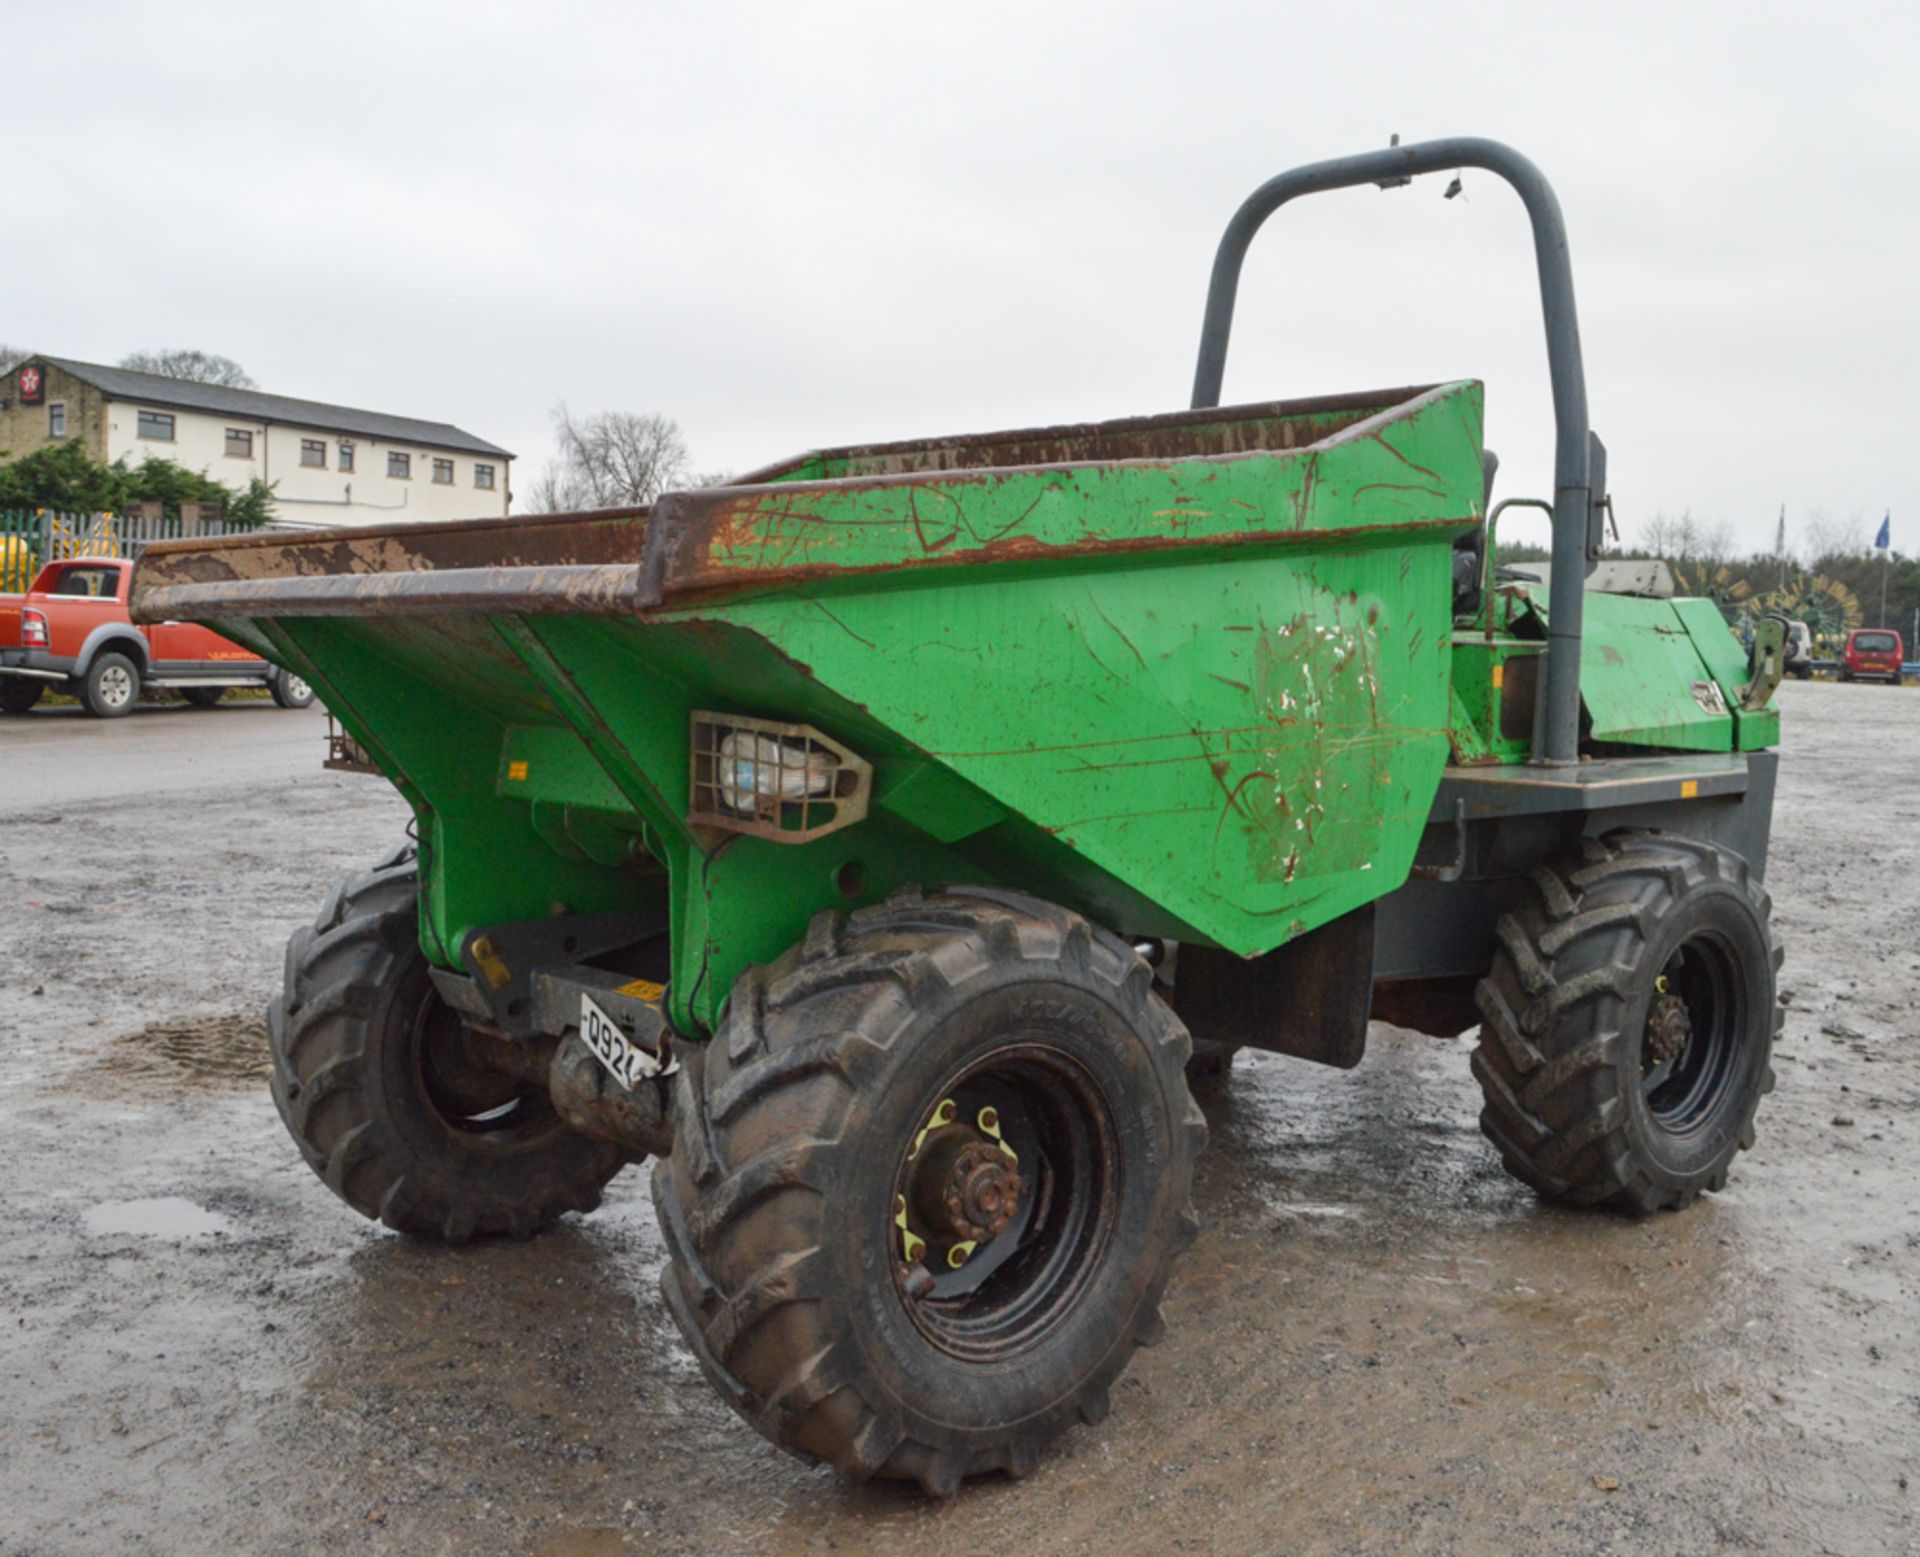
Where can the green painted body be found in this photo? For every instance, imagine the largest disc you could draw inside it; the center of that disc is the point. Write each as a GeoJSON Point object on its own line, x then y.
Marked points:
{"type": "Point", "coordinates": [1197, 678]}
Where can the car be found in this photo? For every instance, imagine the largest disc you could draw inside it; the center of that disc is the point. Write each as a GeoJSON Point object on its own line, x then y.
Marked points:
{"type": "Point", "coordinates": [1797, 659]}
{"type": "Point", "coordinates": [70, 632]}
{"type": "Point", "coordinates": [1872, 654]}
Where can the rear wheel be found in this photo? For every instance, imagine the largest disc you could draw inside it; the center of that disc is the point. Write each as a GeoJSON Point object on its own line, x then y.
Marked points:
{"type": "Point", "coordinates": [204, 697]}
{"type": "Point", "coordinates": [1629, 1022]}
{"type": "Point", "coordinates": [372, 1078]}
{"type": "Point", "coordinates": [928, 1181]}
{"type": "Point", "coordinates": [289, 691]}
{"type": "Point", "coordinates": [18, 694]}
{"type": "Point", "coordinates": [111, 687]}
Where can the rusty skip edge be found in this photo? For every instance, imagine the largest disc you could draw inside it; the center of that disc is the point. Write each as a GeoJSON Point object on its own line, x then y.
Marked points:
{"type": "Point", "coordinates": [580, 588]}
{"type": "Point", "coordinates": [182, 579]}
{"type": "Point", "coordinates": [1168, 435]}
{"type": "Point", "coordinates": [623, 560]}
{"type": "Point", "coordinates": [673, 573]}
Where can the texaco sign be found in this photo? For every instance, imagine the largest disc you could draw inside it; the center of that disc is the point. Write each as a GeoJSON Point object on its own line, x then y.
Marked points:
{"type": "Point", "coordinates": [33, 384]}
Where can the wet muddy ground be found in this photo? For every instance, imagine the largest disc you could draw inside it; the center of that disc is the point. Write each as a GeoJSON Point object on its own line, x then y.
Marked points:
{"type": "Point", "coordinates": [1379, 1343]}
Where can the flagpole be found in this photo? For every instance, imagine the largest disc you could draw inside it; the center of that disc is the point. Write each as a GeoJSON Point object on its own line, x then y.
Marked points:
{"type": "Point", "coordinates": [1884, 541]}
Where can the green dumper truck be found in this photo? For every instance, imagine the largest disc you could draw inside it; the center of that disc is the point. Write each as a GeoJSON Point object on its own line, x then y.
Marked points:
{"type": "Point", "coordinates": [885, 841]}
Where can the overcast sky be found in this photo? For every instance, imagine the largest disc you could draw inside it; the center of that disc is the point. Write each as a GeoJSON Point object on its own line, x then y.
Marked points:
{"type": "Point", "coordinates": [789, 226]}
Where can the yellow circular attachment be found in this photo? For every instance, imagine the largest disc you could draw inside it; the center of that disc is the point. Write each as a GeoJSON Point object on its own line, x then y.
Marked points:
{"type": "Point", "coordinates": [911, 1248]}
{"type": "Point", "coordinates": [989, 1120]}
{"type": "Point", "coordinates": [959, 1254]}
{"type": "Point", "coordinates": [942, 1115]}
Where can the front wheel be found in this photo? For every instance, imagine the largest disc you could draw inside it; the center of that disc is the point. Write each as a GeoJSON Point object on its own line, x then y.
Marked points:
{"type": "Point", "coordinates": [1629, 1022]}
{"type": "Point", "coordinates": [290, 691]}
{"type": "Point", "coordinates": [111, 687]}
{"type": "Point", "coordinates": [374, 1082]}
{"type": "Point", "coordinates": [928, 1181]}
{"type": "Point", "coordinates": [19, 693]}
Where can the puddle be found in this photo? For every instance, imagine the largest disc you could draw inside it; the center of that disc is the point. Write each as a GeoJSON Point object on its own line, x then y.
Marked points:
{"type": "Point", "coordinates": [164, 1216]}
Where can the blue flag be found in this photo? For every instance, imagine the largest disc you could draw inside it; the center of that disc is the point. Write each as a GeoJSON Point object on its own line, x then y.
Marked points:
{"type": "Point", "coordinates": [1885, 538]}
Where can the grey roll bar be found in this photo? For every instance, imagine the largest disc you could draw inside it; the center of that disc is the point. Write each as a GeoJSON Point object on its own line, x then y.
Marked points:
{"type": "Point", "coordinates": [1579, 465]}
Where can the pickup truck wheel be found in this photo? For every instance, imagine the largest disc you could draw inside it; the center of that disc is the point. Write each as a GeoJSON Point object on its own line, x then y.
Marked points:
{"type": "Point", "coordinates": [111, 687]}
{"type": "Point", "coordinates": [204, 697]}
{"type": "Point", "coordinates": [928, 1180]}
{"type": "Point", "coordinates": [18, 694]}
{"type": "Point", "coordinates": [289, 691]}
{"type": "Point", "coordinates": [369, 1078]}
{"type": "Point", "coordinates": [1629, 1022]}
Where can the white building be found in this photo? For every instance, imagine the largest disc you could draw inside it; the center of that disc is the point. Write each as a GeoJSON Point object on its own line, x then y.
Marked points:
{"type": "Point", "coordinates": [328, 464]}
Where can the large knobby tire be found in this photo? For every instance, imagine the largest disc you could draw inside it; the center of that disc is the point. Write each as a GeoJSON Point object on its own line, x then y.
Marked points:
{"type": "Point", "coordinates": [1629, 1021]}
{"type": "Point", "coordinates": [799, 1127]}
{"type": "Point", "coordinates": [367, 1077]}
{"type": "Point", "coordinates": [19, 693]}
{"type": "Point", "coordinates": [111, 686]}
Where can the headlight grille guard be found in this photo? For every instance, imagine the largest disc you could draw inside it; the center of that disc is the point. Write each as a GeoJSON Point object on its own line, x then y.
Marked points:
{"type": "Point", "coordinates": [787, 783]}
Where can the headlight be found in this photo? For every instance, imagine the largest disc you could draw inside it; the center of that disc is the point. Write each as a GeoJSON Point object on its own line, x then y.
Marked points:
{"type": "Point", "coordinates": [785, 782]}
{"type": "Point", "coordinates": [756, 769]}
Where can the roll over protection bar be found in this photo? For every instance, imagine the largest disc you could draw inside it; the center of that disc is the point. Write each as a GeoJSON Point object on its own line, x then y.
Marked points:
{"type": "Point", "coordinates": [1579, 465]}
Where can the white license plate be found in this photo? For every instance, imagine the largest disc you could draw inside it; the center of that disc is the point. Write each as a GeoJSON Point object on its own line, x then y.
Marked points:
{"type": "Point", "coordinates": [626, 1061]}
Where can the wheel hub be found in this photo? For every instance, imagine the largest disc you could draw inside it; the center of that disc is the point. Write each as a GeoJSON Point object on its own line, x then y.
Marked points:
{"type": "Point", "coordinates": [965, 1187]}
{"type": "Point", "coordinates": [1669, 1030]}
{"type": "Point", "coordinates": [962, 1187]}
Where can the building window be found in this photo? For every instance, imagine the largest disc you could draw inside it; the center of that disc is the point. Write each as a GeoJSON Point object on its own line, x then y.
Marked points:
{"type": "Point", "coordinates": [483, 477]}
{"type": "Point", "coordinates": [240, 443]}
{"type": "Point", "coordinates": [346, 456]}
{"type": "Point", "coordinates": [313, 451]}
{"type": "Point", "coordinates": [56, 421]}
{"type": "Point", "coordinates": [443, 473]}
{"type": "Point", "coordinates": [400, 466]}
{"type": "Point", "coordinates": [157, 424]}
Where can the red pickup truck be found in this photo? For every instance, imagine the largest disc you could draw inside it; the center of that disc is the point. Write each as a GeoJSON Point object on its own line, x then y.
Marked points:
{"type": "Point", "coordinates": [70, 631]}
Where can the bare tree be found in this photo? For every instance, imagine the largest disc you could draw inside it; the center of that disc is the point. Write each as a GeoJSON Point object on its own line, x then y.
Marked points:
{"type": "Point", "coordinates": [11, 357]}
{"type": "Point", "coordinates": [611, 459]}
{"type": "Point", "coordinates": [1665, 536]}
{"type": "Point", "coordinates": [1714, 544]}
{"type": "Point", "coordinates": [1687, 539]}
{"type": "Point", "coordinates": [1827, 536]}
{"type": "Point", "coordinates": [199, 367]}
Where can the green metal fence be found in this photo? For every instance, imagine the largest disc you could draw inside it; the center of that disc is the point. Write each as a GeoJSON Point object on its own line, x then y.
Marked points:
{"type": "Point", "coordinates": [31, 538]}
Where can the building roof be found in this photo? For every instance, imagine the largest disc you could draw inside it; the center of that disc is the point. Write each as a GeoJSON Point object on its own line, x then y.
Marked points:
{"type": "Point", "coordinates": [220, 400]}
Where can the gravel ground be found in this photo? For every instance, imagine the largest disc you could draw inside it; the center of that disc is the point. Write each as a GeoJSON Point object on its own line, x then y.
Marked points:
{"type": "Point", "coordinates": [1379, 1343]}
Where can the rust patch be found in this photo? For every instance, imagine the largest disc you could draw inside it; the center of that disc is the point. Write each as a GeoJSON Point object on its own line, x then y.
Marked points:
{"type": "Point", "coordinates": [1321, 763]}
{"type": "Point", "coordinates": [545, 541]}
{"type": "Point", "coordinates": [1182, 434]}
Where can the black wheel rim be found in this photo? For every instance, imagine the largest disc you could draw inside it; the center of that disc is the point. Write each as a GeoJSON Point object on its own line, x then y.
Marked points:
{"type": "Point", "coordinates": [1690, 1043]}
{"type": "Point", "coordinates": [982, 1298]}
{"type": "Point", "coordinates": [481, 1106]}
